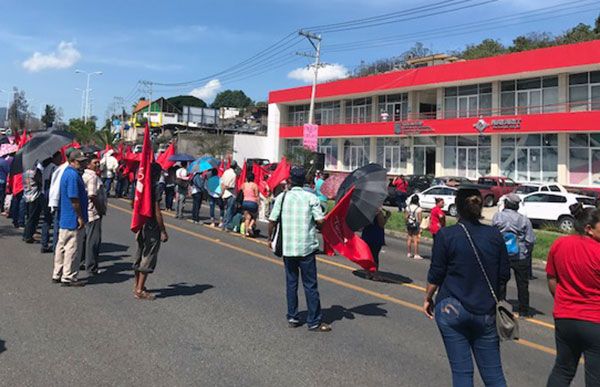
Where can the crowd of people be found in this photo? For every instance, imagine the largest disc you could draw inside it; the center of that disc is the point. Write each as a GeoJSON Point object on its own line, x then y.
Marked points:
{"type": "Point", "coordinates": [470, 265]}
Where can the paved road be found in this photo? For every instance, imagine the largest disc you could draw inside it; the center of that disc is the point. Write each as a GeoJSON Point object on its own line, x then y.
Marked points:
{"type": "Point", "coordinates": [220, 320]}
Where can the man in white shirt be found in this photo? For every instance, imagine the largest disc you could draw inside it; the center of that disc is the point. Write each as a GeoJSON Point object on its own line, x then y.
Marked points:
{"type": "Point", "coordinates": [181, 189]}
{"type": "Point", "coordinates": [228, 194]}
{"type": "Point", "coordinates": [108, 166]}
{"type": "Point", "coordinates": [96, 210]}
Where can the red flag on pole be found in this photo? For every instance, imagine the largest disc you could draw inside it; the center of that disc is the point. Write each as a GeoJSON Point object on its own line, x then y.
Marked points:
{"type": "Point", "coordinates": [280, 173]}
{"type": "Point", "coordinates": [259, 178]}
{"type": "Point", "coordinates": [16, 181]}
{"type": "Point", "coordinates": [338, 235]}
{"type": "Point", "coordinates": [163, 158]}
{"type": "Point", "coordinates": [241, 179]}
{"type": "Point", "coordinates": [142, 203]}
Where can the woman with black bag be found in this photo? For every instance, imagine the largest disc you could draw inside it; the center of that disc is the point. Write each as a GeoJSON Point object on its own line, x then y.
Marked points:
{"type": "Point", "coordinates": [471, 278]}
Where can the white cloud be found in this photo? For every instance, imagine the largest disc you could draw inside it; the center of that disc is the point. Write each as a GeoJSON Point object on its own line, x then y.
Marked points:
{"type": "Point", "coordinates": [208, 91]}
{"type": "Point", "coordinates": [65, 57]}
{"type": "Point", "coordinates": [328, 72]}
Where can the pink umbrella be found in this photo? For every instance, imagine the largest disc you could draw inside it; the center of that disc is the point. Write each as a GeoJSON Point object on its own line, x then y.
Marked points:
{"type": "Point", "coordinates": [332, 184]}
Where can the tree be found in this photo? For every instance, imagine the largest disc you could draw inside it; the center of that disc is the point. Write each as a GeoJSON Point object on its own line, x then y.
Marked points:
{"type": "Point", "coordinates": [532, 41]}
{"type": "Point", "coordinates": [49, 116]}
{"type": "Point", "coordinates": [580, 33]}
{"type": "Point", "coordinates": [488, 47]}
{"type": "Point", "coordinates": [85, 133]}
{"type": "Point", "coordinates": [217, 145]}
{"type": "Point", "coordinates": [18, 110]}
{"type": "Point", "coordinates": [231, 98]}
{"type": "Point", "coordinates": [186, 100]}
{"type": "Point", "coordinates": [105, 137]}
{"type": "Point", "coordinates": [597, 25]}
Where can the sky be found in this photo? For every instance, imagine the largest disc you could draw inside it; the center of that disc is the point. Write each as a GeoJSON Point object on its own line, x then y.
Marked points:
{"type": "Point", "coordinates": [43, 43]}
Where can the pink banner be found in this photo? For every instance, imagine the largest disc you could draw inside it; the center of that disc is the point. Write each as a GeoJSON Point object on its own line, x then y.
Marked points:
{"type": "Point", "coordinates": [310, 137]}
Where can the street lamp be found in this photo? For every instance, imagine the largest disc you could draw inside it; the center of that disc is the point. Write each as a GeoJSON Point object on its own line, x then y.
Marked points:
{"type": "Point", "coordinates": [87, 90]}
{"type": "Point", "coordinates": [82, 99]}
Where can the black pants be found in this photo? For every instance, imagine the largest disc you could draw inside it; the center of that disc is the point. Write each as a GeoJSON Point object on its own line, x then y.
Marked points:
{"type": "Point", "coordinates": [574, 337]}
{"type": "Point", "coordinates": [34, 210]}
{"type": "Point", "coordinates": [169, 196]}
{"type": "Point", "coordinates": [375, 250]}
{"type": "Point", "coordinates": [2, 196]}
{"type": "Point", "coordinates": [196, 204]}
{"type": "Point", "coordinates": [521, 270]}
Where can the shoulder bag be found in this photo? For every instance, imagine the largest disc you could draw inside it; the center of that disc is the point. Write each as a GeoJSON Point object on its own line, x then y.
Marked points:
{"type": "Point", "coordinates": [277, 239]}
{"type": "Point", "coordinates": [506, 323]}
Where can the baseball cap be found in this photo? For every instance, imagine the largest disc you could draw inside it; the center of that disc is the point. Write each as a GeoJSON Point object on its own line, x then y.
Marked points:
{"type": "Point", "coordinates": [514, 198]}
{"type": "Point", "coordinates": [77, 155]}
{"type": "Point", "coordinates": [297, 175]}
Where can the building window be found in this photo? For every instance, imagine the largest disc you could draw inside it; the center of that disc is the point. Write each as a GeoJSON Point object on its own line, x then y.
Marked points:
{"type": "Point", "coordinates": [297, 115]}
{"type": "Point", "coordinates": [532, 157]}
{"type": "Point", "coordinates": [584, 159]}
{"type": "Point", "coordinates": [468, 101]}
{"type": "Point", "coordinates": [584, 91]}
{"type": "Point", "coordinates": [291, 146]}
{"type": "Point", "coordinates": [467, 156]}
{"type": "Point", "coordinates": [356, 153]}
{"type": "Point", "coordinates": [529, 96]}
{"type": "Point", "coordinates": [393, 154]}
{"type": "Point", "coordinates": [329, 147]}
{"type": "Point", "coordinates": [358, 111]}
{"type": "Point", "coordinates": [327, 113]}
{"type": "Point", "coordinates": [393, 107]}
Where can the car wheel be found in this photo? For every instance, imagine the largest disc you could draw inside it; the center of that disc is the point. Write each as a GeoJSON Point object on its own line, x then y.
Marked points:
{"type": "Point", "coordinates": [488, 201]}
{"type": "Point", "coordinates": [566, 224]}
{"type": "Point", "coordinates": [452, 210]}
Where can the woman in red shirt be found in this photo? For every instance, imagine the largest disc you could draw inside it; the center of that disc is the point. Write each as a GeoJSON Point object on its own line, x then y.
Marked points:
{"type": "Point", "coordinates": [573, 271]}
{"type": "Point", "coordinates": [437, 218]}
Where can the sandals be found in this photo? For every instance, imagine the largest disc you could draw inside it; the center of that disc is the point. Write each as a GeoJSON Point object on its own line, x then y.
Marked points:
{"type": "Point", "coordinates": [144, 296]}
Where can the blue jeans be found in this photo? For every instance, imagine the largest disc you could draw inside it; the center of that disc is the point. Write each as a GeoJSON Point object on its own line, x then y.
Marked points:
{"type": "Point", "coordinates": [307, 267]}
{"type": "Point", "coordinates": [465, 333]}
{"type": "Point", "coordinates": [229, 212]}
{"type": "Point", "coordinates": [215, 201]}
{"type": "Point", "coordinates": [108, 185]}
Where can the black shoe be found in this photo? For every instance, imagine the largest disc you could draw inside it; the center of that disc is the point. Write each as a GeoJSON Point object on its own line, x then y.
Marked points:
{"type": "Point", "coordinates": [29, 241]}
{"type": "Point", "coordinates": [293, 323]}
{"type": "Point", "coordinates": [73, 284]}
{"type": "Point", "coordinates": [46, 250]}
{"type": "Point", "coordinates": [56, 280]}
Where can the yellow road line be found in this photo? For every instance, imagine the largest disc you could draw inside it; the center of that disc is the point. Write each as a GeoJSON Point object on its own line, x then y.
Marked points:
{"type": "Point", "coordinates": [344, 284]}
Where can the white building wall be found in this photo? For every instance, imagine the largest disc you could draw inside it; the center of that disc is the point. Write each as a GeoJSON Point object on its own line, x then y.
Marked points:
{"type": "Point", "coordinates": [264, 147]}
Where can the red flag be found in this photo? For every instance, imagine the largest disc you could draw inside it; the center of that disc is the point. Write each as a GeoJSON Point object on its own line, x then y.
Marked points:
{"type": "Point", "coordinates": [163, 158]}
{"type": "Point", "coordinates": [16, 181]}
{"type": "Point", "coordinates": [280, 173]}
{"type": "Point", "coordinates": [259, 178]}
{"type": "Point", "coordinates": [338, 235]}
{"type": "Point", "coordinates": [241, 179]}
{"type": "Point", "coordinates": [142, 203]}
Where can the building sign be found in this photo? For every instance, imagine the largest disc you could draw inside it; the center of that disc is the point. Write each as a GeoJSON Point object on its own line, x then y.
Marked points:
{"type": "Point", "coordinates": [498, 124]}
{"type": "Point", "coordinates": [411, 127]}
{"type": "Point", "coordinates": [310, 136]}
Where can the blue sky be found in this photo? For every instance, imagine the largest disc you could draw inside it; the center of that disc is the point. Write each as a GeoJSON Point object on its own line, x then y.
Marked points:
{"type": "Point", "coordinates": [43, 42]}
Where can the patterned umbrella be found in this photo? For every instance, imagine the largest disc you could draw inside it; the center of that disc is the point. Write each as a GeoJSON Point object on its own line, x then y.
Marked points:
{"type": "Point", "coordinates": [202, 164]}
{"type": "Point", "coordinates": [331, 186]}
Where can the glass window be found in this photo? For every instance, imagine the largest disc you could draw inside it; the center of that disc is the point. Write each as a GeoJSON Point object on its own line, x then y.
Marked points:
{"type": "Point", "coordinates": [507, 86]}
{"type": "Point", "coordinates": [531, 140]}
{"type": "Point", "coordinates": [554, 188]}
{"type": "Point", "coordinates": [578, 79]}
{"type": "Point", "coordinates": [395, 105]}
{"type": "Point", "coordinates": [424, 140]}
{"type": "Point", "coordinates": [536, 198]}
{"type": "Point", "coordinates": [550, 81]}
{"type": "Point", "coordinates": [468, 101]}
{"type": "Point", "coordinates": [579, 140]}
{"type": "Point", "coordinates": [507, 162]}
{"type": "Point", "coordinates": [468, 90]}
{"type": "Point", "coordinates": [328, 146]}
{"type": "Point", "coordinates": [530, 83]}
{"type": "Point", "coordinates": [450, 107]}
{"type": "Point", "coordinates": [356, 153]}
{"type": "Point", "coordinates": [579, 166]}
{"type": "Point", "coordinates": [358, 111]}
{"type": "Point", "coordinates": [507, 140]}
{"type": "Point", "coordinates": [393, 153]}
{"type": "Point", "coordinates": [507, 103]}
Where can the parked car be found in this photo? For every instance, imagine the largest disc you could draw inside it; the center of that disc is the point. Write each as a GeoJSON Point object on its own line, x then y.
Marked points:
{"type": "Point", "coordinates": [553, 208]}
{"type": "Point", "coordinates": [427, 198]}
{"type": "Point", "coordinates": [492, 188]}
{"type": "Point", "coordinates": [418, 183]}
{"type": "Point", "coordinates": [451, 181]}
{"type": "Point", "coordinates": [529, 188]}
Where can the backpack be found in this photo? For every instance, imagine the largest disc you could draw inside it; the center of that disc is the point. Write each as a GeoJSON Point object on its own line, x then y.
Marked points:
{"type": "Point", "coordinates": [512, 243]}
{"type": "Point", "coordinates": [411, 220]}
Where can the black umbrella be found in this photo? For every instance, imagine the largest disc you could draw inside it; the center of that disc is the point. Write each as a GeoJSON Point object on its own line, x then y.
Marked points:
{"type": "Point", "coordinates": [181, 157]}
{"type": "Point", "coordinates": [87, 149]}
{"type": "Point", "coordinates": [370, 191]}
{"type": "Point", "coordinates": [39, 148]}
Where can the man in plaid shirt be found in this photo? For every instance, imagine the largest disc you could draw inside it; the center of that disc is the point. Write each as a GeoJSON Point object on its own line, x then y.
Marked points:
{"type": "Point", "coordinates": [300, 213]}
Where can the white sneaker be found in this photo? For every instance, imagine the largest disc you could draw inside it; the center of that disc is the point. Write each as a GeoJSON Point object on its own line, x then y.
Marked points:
{"type": "Point", "coordinates": [409, 255]}
{"type": "Point", "coordinates": [417, 257]}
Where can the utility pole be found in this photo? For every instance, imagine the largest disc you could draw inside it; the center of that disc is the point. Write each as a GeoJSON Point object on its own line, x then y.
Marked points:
{"type": "Point", "coordinates": [315, 41]}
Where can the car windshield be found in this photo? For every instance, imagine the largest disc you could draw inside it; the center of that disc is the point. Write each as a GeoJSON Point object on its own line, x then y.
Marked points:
{"type": "Point", "coordinates": [527, 189]}
{"type": "Point", "coordinates": [484, 181]}
{"type": "Point", "coordinates": [587, 201]}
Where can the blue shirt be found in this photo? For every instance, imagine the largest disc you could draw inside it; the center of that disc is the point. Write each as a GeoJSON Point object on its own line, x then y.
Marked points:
{"type": "Point", "coordinates": [318, 185]}
{"type": "Point", "coordinates": [455, 270]}
{"type": "Point", "coordinates": [72, 187]}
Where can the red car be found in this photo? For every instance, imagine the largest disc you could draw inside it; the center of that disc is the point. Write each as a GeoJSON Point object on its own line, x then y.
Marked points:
{"type": "Point", "coordinates": [494, 187]}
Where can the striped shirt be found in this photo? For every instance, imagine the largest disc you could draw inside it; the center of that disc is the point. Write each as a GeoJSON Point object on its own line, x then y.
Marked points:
{"type": "Point", "coordinates": [301, 211]}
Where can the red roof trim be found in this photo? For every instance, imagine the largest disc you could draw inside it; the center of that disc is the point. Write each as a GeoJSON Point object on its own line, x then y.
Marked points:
{"type": "Point", "coordinates": [570, 55]}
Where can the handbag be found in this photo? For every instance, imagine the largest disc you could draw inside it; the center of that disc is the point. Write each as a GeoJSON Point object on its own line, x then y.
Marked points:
{"type": "Point", "coordinates": [425, 222]}
{"type": "Point", "coordinates": [506, 323]}
{"type": "Point", "coordinates": [277, 240]}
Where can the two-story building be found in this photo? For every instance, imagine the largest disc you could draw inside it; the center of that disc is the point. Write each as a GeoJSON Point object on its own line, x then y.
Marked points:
{"type": "Point", "coordinates": [531, 116]}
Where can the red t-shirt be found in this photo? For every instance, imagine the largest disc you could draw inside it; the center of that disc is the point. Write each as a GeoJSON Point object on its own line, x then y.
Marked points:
{"type": "Point", "coordinates": [400, 185]}
{"type": "Point", "coordinates": [575, 262]}
{"type": "Point", "coordinates": [435, 220]}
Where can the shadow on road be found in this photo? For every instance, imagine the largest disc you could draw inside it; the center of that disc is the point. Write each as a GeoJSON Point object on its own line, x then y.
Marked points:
{"type": "Point", "coordinates": [112, 274]}
{"type": "Point", "coordinates": [534, 311]}
{"type": "Point", "coordinates": [108, 247]}
{"type": "Point", "coordinates": [338, 312]}
{"type": "Point", "coordinates": [2, 345]}
{"type": "Point", "coordinates": [180, 289]}
{"type": "Point", "coordinates": [9, 231]}
{"type": "Point", "coordinates": [387, 277]}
